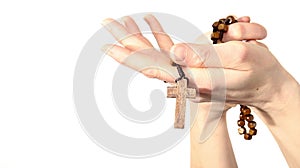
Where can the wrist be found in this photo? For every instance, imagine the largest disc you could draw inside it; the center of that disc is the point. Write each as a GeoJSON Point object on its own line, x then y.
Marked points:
{"type": "Point", "coordinates": [282, 119]}
{"type": "Point", "coordinates": [282, 100]}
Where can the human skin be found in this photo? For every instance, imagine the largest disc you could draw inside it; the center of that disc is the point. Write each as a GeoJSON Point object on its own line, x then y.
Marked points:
{"type": "Point", "coordinates": [253, 77]}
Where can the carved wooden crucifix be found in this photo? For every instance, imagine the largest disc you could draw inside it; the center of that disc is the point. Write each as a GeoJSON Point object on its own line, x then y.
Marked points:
{"type": "Point", "coordinates": [181, 93]}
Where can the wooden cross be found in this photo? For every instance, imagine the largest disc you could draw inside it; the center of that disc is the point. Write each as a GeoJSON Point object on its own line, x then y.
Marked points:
{"type": "Point", "coordinates": [180, 92]}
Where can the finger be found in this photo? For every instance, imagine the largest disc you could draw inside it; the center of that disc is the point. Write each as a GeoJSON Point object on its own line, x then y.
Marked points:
{"type": "Point", "coordinates": [150, 64]}
{"type": "Point", "coordinates": [205, 55]}
{"type": "Point", "coordinates": [133, 28]}
{"type": "Point", "coordinates": [205, 38]}
{"type": "Point", "coordinates": [199, 78]}
{"type": "Point", "coordinates": [245, 31]}
{"type": "Point", "coordinates": [192, 55]}
{"type": "Point", "coordinates": [116, 52]}
{"type": "Point", "coordinates": [123, 36]}
{"type": "Point", "coordinates": [164, 41]}
{"type": "Point", "coordinates": [244, 19]}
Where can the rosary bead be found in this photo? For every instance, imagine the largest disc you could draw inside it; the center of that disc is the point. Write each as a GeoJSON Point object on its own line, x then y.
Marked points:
{"type": "Point", "coordinates": [215, 25]}
{"type": "Point", "coordinates": [215, 35]}
{"type": "Point", "coordinates": [241, 123]}
{"type": "Point", "coordinates": [223, 27]}
{"type": "Point", "coordinates": [242, 130]}
{"type": "Point", "coordinates": [219, 41]}
{"type": "Point", "coordinates": [246, 111]}
{"type": "Point", "coordinates": [242, 107]}
{"type": "Point", "coordinates": [230, 20]}
{"type": "Point", "coordinates": [249, 117]}
{"type": "Point", "coordinates": [247, 136]}
{"type": "Point", "coordinates": [252, 124]}
{"type": "Point", "coordinates": [253, 131]}
{"type": "Point", "coordinates": [242, 117]}
{"type": "Point", "coordinates": [222, 20]}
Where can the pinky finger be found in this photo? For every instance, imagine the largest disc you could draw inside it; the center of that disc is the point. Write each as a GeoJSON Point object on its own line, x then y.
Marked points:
{"type": "Point", "coordinates": [244, 19]}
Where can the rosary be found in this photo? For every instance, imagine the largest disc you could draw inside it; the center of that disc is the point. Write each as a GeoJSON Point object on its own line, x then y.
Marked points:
{"type": "Point", "coordinates": [181, 92]}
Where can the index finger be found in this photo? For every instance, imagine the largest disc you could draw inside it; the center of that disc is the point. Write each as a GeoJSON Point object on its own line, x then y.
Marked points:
{"type": "Point", "coordinates": [244, 31]}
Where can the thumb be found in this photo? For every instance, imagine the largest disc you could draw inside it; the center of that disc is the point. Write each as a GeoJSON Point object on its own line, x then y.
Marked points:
{"type": "Point", "coordinates": [195, 55]}
{"type": "Point", "coordinates": [225, 55]}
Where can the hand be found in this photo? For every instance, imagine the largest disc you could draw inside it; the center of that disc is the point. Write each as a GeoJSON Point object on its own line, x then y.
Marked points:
{"type": "Point", "coordinates": [254, 77]}
{"type": "Point", "coordinates": [139, 53]}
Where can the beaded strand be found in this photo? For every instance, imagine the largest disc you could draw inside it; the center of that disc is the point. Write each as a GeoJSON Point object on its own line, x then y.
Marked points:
{"type": "Point", "coordinates": [219, 28]}
{"type": "Point", "coordinates": [246, 115]}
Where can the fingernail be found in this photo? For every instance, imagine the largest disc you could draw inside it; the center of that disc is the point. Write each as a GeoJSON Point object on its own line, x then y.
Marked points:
{"type": "Point", "coordinates": [178, 53]}
{"type": "Point", "coordinates": [106, 21]}
{"type": "Point", "coordinates": [148, 16]}
{"type": "Point", "coordinates": [124, 19]}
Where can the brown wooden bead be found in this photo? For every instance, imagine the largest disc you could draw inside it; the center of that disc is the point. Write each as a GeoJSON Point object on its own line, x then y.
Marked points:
{"type": "Point", "coordinates": [247, 136]}
{"type": "Point", "coordinates": [242, 130]}
{"type": "Point", "coordinates": [222, 20]}
{"type": "Point", "coordinates": [215, 35]}
{"type": "Point", "coordinates": [223, 27]}
{"type": "Point", "coordinates": [253, 131]}
{"type": "Point", "coordinates": [242, 117]}
{"type": "Point", "coordinates": [246, 111]}
{"type": "Point", "coordinates": [215, 25]}
{"type": "Point", "coordinates": [242, 107]}
{"type": "Point", "coordinates": [252, 124]}
{"type": "Point", "coordinates": [249, 117]}
{"type": "Point", "coordinates": [230, 20]}
{"type": "Point", "coordinates": [241, 123]}
{"type": "Point", "coordinates": [219, 41]}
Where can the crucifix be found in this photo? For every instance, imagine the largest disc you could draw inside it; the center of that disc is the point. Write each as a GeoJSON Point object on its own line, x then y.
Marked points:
{"type": "Point", "coordinates": [181, 92]}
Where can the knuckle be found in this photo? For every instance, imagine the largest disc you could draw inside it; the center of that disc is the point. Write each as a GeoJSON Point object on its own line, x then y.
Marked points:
{"type": "Point", "coordinates": [241, 50]}
{"type": "Point", "coordinates": [199, 55]}
{"type": "Point", "coordinates": [237, 31]}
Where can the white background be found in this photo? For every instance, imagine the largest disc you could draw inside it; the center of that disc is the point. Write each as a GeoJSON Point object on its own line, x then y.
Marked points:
{"type": "Point", "coordinates": [40, 42]}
